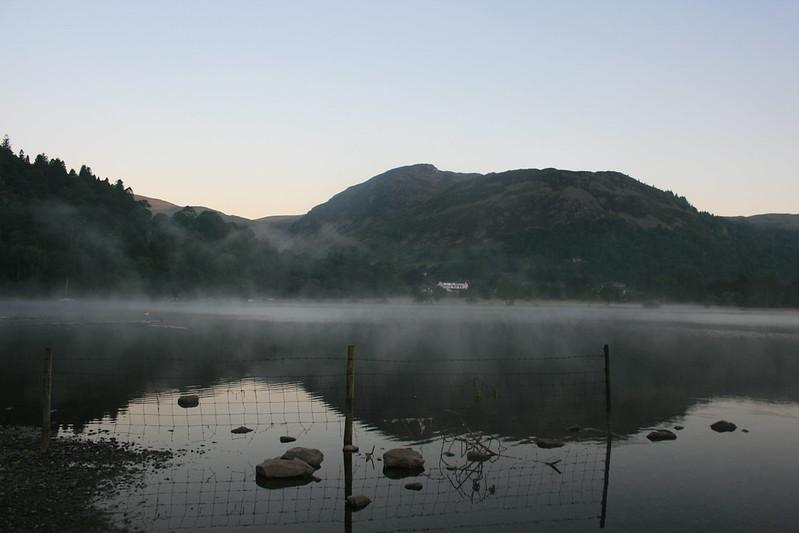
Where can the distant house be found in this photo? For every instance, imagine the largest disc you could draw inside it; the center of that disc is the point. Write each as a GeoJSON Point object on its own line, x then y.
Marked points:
{"type": "Point", "coordinates": [451, 286]}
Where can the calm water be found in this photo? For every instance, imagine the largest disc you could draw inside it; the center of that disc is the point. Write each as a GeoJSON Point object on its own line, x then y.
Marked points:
{"type": "Point", "coordinates": [436, 378]}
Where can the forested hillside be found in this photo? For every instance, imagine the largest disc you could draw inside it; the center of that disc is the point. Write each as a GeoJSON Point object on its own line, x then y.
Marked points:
{"type": "Point", "coordinates": [514, 235]}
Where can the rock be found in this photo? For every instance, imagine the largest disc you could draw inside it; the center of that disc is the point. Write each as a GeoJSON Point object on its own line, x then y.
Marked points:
{"type": "Point", "coordinates": [679, 428]}
{"type": "Point", "coordinates": [349, 448]}
{"type": "Point", "coordinates": [549, 443]}
{"type": "Point", "coordinates": [745, 430]}
{"type": "Point", "coordinates": [312, 456]}
{"type": "Point", "coordinates": [574, 429]}
{"type": "Point", "coordinates": [474, 455]}
{"type": "Point", "coordinates": [415, 485]}
{"type": "Point", "coordinates": [449, 454]}
{"type": "Point", "coordinates": [722, 426]}
{"type": "Point", "coordinates": [403, 458]}
{"type": "Point", "coordinates": [661, 434]}
{"type": "Point", "coordinates": [358, 502]}
{"type": "Point", "coordinates": [283, 469]}
{"type": "Point", "coordinates": [240, 429]}
{"type": "Point", "coordinates": [189, 400]}
{"type": "Point", "coordinates": [286, 438]}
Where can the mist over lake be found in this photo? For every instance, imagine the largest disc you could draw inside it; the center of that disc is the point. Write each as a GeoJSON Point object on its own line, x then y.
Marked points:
{"type": "Point", "coordinates": [425, 376]}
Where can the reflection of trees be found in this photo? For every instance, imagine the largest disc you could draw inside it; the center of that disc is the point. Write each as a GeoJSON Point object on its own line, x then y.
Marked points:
{"type": "Point", "coordinates": [657, 372]}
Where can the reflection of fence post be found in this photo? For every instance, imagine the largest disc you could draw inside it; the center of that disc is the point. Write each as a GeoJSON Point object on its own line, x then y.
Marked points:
{"type": "Point", "coordinates": [350, 394]}
{"type": "Point", "coordinates": [609, 442]}
{"type": "Point", "coordinates": [47, 388]}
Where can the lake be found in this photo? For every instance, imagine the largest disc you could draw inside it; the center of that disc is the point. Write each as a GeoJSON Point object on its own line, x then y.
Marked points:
{"type": "Point", "coordinates": [524, 384]}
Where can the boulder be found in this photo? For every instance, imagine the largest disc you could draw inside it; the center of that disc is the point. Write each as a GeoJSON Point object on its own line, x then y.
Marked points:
{"type": "Point", "coordinates": [403, 458]}
{"type": "Point", "coordinates": [474, 455]}
{"type": "Point", "coordinates": [722, 426]}
{"type": "Point", "coordinates": [358, 502]}
{"type": "Point", "coordinates": [312, 456]}
{"type": "Point", "coordinates": [542, 442]}
{"type": "Point", "coordinates": [349, 448]}
{"type": "Point", "coordinates": [240, 430]}
{"type": "Point", "coordinates": [414, 485]}
{"type": "Point", "coordinates": [661, 434]}
{"type": "Point", "coordinates": [285, 438]}
{"type": "Point", "coordinates": [189, 400]}
{"type": "Point", "coordinates": [284, 469]}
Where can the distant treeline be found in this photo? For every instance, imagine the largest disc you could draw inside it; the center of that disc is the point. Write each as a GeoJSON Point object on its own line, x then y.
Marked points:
{"type": "Point", "coordinates": [67, 233]}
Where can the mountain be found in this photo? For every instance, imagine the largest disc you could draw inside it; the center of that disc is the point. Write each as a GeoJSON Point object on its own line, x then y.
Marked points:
{"type": "Point", "coordinates": [529, 233]}
{"type": "Point", "coordinates": [157, 205]}
{"type": "Point", "coordinates": [773, 220]}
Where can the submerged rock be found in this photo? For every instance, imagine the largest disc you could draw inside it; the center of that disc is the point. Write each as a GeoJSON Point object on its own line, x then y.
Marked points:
{"type": "Point", "coordinates": [403, 458]}
{"type": "Point", "coordinates": [474, 455]}
{"type": "Point", "coordinates": [189, 400]}
{"type": "Point", "coordinates": [358, 502]}
{"type": "Point", "coordinates": [414, 485]}
{"type": "Point", "coordinates": [240, 429]}
{"type": "Point", "coordinates": [349, 448]}
{"type": "Point", "coordinates": [542, 442]}
{"type": "Point", "coordinates": [284, 469]}
{"type": "Point", "coordinates": [286, 438]}
{"type": "Point", "coordinates": [661, 434]}
{"type": "Point", "coordinates": [312, 456]}
{"type": "Point", "coordinates": [722, 426]}
{"type": "Point", "coordinates": [679, 428]}
{"type": "Point", "coordinates": [574, 429]}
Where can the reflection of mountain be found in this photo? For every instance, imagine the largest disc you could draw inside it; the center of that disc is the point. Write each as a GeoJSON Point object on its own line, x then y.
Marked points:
{"type": "Point", "coordinates": [659, 370]}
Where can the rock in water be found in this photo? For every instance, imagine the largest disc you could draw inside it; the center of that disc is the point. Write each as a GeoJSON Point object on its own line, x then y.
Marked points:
{"type": "Point", "coordinates": [403, 458]}
{"type": "Point", "coordinates": [189, 400]}
{"type": "Point", "coordinates": [474, 455]}
{"type": "Point", "coordinates": [549, 443]}
{"type": "Point", "coordinates": [349, 448]}
{"type": "Point", "coordinates": [358, 502]}
{"type": "Point", "coordinates": [240, 429]}
{"type": "Point", "coordinates": [283, 469]}
{"type": "Point", "coordinates": [311, 456]}
{"type": "Point", "coordinates": [415, 485]}
{"type": "Point", "coordinates": [286, 438]}
{"type": "Point", "coordinates": [661, 434]}
{"type": "Point", "coordinates": [722, 426]}
{"type": "Point", "coordinates": [574, 429]}
{"type": "Point", "coordinates": [679, 428]}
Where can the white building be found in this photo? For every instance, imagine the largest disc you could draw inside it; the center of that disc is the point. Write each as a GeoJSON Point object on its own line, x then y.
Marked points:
{"type": "Point", "coordinates": [450, 286]}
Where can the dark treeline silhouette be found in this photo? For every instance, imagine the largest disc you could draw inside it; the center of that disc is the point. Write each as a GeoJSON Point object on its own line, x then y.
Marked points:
{"type": "Point", "coordinates": [67, 233]}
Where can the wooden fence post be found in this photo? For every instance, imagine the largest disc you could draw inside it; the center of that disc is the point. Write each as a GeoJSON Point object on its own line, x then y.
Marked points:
{"type": "Point", "coordinates": [47, 389]}
{"type": "Point", "coordinates": [350, 394]}
{"type": "Point", "coordinates": [609, 442]}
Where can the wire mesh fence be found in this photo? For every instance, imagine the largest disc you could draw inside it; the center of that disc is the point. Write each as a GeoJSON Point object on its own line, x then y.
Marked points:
{"type": "Point", "coordinates": [539, 425]}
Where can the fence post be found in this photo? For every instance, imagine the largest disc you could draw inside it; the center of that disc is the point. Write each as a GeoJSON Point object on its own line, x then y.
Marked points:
{"type": "Point", "coordinates": [348, 405]}
{"type": "Point", "coordinates": [609, 442]}
{"type": "Point", "coordinates": [47, 389]}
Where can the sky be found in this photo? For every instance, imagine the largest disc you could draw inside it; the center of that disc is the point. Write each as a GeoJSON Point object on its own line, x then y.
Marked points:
{"type": "Point", "coordinates": [267, 108]}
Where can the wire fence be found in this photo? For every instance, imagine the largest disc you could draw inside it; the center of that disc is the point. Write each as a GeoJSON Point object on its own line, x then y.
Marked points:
{"type": "Point", "coordinates": [539, 427]}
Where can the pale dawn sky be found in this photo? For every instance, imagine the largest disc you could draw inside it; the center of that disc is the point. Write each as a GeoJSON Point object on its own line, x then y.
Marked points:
{"type": "Point", "coordinates": [261, 108]}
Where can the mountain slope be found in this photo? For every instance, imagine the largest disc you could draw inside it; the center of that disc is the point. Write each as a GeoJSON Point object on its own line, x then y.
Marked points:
{"type": "Point", "coordinates": [773, 220]}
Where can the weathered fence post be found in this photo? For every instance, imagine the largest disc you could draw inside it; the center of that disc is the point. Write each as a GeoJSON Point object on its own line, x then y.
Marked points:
{"type": "Point", "coordinates": [348, 405]}
{"type": "Point", "coordinates": [47, 389]}
{"type": "Point", "coordinates": [609, 443]}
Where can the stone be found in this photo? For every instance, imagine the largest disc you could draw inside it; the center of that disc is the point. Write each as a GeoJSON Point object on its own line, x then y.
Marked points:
{"type": "Point", "coordinates": [403, 458]}
{"type": "Point", "coordinates": [285, 438]}
{"type": "Point", "coordinates": [241, 429]}
{"type": "Point", "coordinates": [449, 454]}
{"type": "Point", "coordinates": [661, 434]}
{"type": "Point", "coordinates": [349, 448]}
{"type": "Point", "coordinates": [312, 456]}
{"type": "Point", "coordinates": [189, 400]}
{"type": "Point", "coordinates": [574, 429]}
{"type": "Point", "coordinates": [679, 428]}
{"type": "Point", "coordinates": [358, 502]}
{"type": "Point", "coordinates": [722, 426]}
{"type": "Point", "coordinates": [542, 442]}
{"type": "Point", "coordinates": [414, 485]}
{"type": "Point", "coordinates": [474, 455]}
{"type": "Point", "coordinates": [745, 430]}
{"type": "Point", "coordinates": [283, 469]}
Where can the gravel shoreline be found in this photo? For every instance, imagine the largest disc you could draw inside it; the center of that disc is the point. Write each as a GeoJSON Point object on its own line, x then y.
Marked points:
{"type": "Point", "coordinates": [56, 490]}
